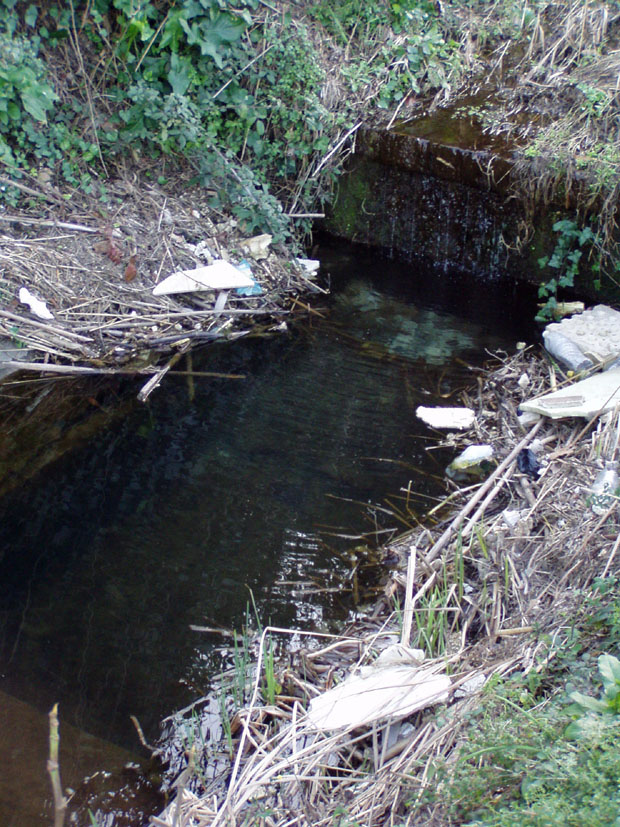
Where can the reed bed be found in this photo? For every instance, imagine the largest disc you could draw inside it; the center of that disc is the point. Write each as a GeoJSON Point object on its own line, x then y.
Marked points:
{"type": "Point", "coordinates": [486, 585]}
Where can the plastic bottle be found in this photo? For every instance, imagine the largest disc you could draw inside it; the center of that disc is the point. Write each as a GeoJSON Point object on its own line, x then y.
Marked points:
{"type": "Point", "coordinates": [604, 488]}
{"type": "Point", "coordinates": [565, 351]}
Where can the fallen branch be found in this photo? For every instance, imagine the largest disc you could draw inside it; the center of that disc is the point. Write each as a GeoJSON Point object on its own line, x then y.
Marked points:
{"type": "Point", "coordinates": [80, 228]}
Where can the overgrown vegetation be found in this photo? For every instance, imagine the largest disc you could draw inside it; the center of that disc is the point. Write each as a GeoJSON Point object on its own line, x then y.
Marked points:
{"type": "Point", "coordinates": [564, 262]}
{"type": "Point", "coordinates": [261, 99]}
{"type": "Point", "coordinates": [538, 749]}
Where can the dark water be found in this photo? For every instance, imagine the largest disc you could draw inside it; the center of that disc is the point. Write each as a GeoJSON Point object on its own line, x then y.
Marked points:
{"type": "Point", "coordinates": [171, 516]}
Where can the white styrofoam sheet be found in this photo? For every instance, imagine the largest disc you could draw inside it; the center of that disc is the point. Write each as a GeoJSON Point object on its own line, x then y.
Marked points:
{"type": "Point", "coordinates": [221, 275]}
{"type": "Point", "coordinates": [382, 693]}
{"type": "Point", "coordinates": [458, 418]}
{"type": "Point", "coordinates": [596, 394]}
{"type": "Point", "coordinates": [596, 332]}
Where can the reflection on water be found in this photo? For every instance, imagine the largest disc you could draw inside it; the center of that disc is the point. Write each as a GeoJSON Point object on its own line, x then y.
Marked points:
{"type": "Point", "coordinates": [172, 516]}
{"type": "Point", "coordinates": [404, 329]}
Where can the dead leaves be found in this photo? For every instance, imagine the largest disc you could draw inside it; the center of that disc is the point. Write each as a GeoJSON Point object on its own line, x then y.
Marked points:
{"type": "Point", "coordinates": [112, 247]}
{"type": "Point", "coordinates": [131, 271]}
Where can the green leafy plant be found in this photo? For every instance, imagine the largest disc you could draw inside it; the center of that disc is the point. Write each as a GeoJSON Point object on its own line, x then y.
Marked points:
{"type": "Point", "coordinates": [564, 260]}
{"type": "Point", "coordinates": [604, 610]}
{"type": "Point", "coordinates": [271, 685]}
{"type": "Point", "coordinates": [518, 766]}
{"type": "Point", "coordinates": [26, 96]}
{"type": "Point", "coordinates": [609, 668]}
{"type": "Point", "coordinates": [235, 187]}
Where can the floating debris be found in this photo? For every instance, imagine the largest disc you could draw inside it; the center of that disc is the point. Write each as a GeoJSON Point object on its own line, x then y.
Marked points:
{"type": "Point", "coordinates": [529, 556]}
{"type": "Point", "coordinates": [99, 280]}
{"type": "Point", "coordinates": [594, 333]}
{"type": "Point", "coordinates": [456, 418]}
{"type": "Point", "coordinates": [257, 246]}
{"type": "Point", "coordinates": [381, 693]}
{"type": "Point", "coordinates": [310, 266]}
{"type": "Point", "coordinates": [221, 275]}
{"type": "Point", "coordinates": [566, 351]}
{"type": "Point", "coordinates": [587, 398]}
{"type": "Point", "coordinates": [527, 463]}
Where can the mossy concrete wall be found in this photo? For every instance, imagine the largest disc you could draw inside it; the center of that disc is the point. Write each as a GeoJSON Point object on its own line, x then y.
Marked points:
{"type": "Point", "coordinates": [454, 208]}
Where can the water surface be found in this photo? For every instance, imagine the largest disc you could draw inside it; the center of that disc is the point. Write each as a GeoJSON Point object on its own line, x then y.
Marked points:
{"type": "Point", "coordinates": [172, 516]}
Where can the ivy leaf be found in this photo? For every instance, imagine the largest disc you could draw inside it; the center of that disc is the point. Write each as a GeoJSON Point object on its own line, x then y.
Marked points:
{"type": "Point", "coordinates": [37, 101]}
{"type": "Point", "coordinates": [220, 29]}
{"type": "Point", "coordinates": [30, 18]}
{"type": "Point", "coordinates": [179, 76]}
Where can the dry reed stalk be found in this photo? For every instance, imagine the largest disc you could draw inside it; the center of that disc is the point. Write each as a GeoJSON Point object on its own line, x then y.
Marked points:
{"type": "Point", "coordinates": [100, 320]}
{"type": "Point", "coordinates": [53, 768]}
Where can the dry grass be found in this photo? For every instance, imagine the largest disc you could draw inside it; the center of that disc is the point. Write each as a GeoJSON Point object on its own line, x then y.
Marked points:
{"type": "Point", "coordinates": [80, 262]}
{"type": "Point", "coordinates": [518, 589]}
{"type": "Point", "coordinates": [557, 101]}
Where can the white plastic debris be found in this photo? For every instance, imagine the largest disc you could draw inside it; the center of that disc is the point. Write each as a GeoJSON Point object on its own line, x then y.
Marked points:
{"type": "Point", "coordinates": [257, 246]}
{"type": "Point", "coordinates": [596, 333]}
{"type": "Point", "coordinates": [457, 418]}
{"type": "Point", "coordinates": [203, 251]}
{"type": "Point", "coordinates": [523, 381]}
{"type": "Point", "coordinates": [528, 418]}
{"type": "Point", "coordinates": [594, 395]}
{"type": "Point", "coordinates": [471, 461]}
{"type": "Point", "coordinates": [221, 275]}
{"type": "Point", "coordinates": [309, 265]}
{"type": "Point", "coordinates": [565, 350]}
{"type": "Point", "coordinates": [380, 693]}
{"type": "Point", "coordinates": [38, 307]}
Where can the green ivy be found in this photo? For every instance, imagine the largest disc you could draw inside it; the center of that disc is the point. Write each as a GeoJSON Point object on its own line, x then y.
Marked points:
{"type": "Point", "coordinates": [235, 188]}
{"type": "Point", "coordinates": [208, 76]}
{"type": "Point", "coordinates": [26, 96]}
{"type": "Point", "coordinates": [564, 261]}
